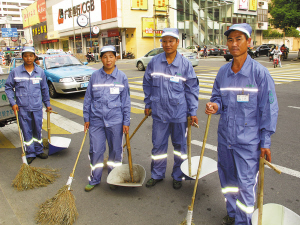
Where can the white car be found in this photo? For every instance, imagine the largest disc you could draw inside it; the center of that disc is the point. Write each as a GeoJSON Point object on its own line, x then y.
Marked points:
{"type": "Point", "coordinates": [141, 63]}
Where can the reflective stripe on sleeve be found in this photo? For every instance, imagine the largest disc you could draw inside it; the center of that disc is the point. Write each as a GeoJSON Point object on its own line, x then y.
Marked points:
{"type": "Point", "coordinates": [240, 89]}
{"type": "Point", "coordinates": [99, 165]}
{"type": "Point", "coordinates": [156, 157]}
{"type": "Point", "coordinates": [113, 164]}
{"type": "Point", "coordinates": [183, 156]}
{"type": "Point", "coordinates": [166, 75]}
{"type": "Point", "coordinates": [246, 209]}
{"type": "Point", "coordinates": [230, 190]}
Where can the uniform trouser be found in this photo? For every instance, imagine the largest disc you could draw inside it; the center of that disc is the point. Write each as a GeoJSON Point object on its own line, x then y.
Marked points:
{"type": "Point", "coordinates": [238, 171]}
{"type": "Point", "coordinates": [31, 126]}
{"type": "Point", "coordinates": [98, 137]}
{"type": "Point", "coordinates": [160, 135]}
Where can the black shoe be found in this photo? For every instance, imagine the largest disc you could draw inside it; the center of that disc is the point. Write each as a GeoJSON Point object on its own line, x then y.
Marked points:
{"type": "Point", "coordinates": [177, 184]}
{"type": "Point", "coordinates": [228, 220]}
{"type": "Point", "coordinates": [30, 159]}
{"type": "Point", "coordinates": [151, 182]}
{"type": "Point", "coordinates": [42, 156]}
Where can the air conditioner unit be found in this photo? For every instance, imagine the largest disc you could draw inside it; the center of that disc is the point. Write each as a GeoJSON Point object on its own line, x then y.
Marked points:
{"type": "Point", "coordinates": [261, 3]}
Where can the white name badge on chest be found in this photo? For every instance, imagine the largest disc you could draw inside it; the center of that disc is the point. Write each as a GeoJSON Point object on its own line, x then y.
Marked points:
{"type": "Point", "coordinates": [114, 91]}
{"type": "Point", "coordinates": [35, 81]}
{"type": "Point", "coordinates": [174, 79]}
{"type": "Point", "coordinates": [242, 98]}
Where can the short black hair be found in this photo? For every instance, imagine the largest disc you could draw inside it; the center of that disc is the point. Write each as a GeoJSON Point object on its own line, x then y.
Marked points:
{"type": "Point", "coordinates": [102, 53]}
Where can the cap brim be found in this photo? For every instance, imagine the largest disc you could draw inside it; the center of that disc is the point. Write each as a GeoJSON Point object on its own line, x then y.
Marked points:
{"type": "Point", "coordinates": [239, 29]}
{"type": "Point", "coordinates": [170, 34]}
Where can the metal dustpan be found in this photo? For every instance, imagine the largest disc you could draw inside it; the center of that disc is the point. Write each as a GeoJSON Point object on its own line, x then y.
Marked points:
{"type": "Point", "coordinates": [57, 144]}
{"type": "Point", "coordinates": [127, 175]}
{"type": "Point", "coordinates": [208, 166]}
{"type": "Point", "coordinates": [275, 214]}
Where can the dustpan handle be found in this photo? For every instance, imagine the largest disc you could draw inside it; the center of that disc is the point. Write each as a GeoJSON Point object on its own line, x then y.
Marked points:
{"type": "Point", "coordinates": [129, 156]}
{"type": "Point", "coordinates": [48, 127]}
{"type": "Point", "coordinates": [189, 138]}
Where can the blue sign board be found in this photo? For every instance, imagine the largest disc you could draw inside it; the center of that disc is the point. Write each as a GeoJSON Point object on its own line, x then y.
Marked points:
{"type": "Point", "coordinates": [9, 32]}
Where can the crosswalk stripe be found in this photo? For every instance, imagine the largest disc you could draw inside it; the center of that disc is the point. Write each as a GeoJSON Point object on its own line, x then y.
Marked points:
{"type": "Point", "coordinates": [4, 142]}
{"type": "Point", "coordinates": [12, 135]}
{"type": "Point", "coordinates": [139, 105]}
{"type": "Point", "coordinates": [136, 97]}
{"type": "Point", "coordinates": [54, 129]}
{"type": "Point", "coordinates": [67, 105]}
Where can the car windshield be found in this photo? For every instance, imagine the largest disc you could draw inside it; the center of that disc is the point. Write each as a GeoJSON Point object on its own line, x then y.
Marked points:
{"type": "Point", "coordinates": [56, 61]}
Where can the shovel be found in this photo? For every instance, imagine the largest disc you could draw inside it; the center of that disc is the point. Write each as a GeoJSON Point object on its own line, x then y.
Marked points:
{"type": "Point", "coordinates": [274, 214]}
{"type": "Point", "coordinates": [131, 175]}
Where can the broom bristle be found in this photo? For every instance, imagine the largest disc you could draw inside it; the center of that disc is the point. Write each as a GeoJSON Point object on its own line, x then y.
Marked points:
{"type": "Point", "coordinates": [184, 222]}
{"type": "Point", "coordinates": [32, 177]}
{"type": "Point", "coordinates": [58, 210]}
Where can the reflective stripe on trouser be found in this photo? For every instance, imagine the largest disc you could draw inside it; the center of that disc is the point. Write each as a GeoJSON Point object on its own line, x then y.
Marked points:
{"type": "Point", "coordinates": [98, 137]}
{"type": "Point", "coordinates": [160, 135]}
{"type": "Point", "coordinates": [238, 169]}
{"type": "Point", "coordinates": [31, 126]}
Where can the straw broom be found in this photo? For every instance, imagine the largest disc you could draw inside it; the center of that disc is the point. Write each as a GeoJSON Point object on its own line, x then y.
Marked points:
{"type": "Point", "coordinates": [61, 208]}
{"type": "Point", "coordinates": [188, 220]}
{"type": "Point", "coordinates": [32, 177]}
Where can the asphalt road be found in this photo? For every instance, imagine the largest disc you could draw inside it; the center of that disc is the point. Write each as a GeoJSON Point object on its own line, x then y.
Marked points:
{"type": "Point", "coordinates": [159, 205]}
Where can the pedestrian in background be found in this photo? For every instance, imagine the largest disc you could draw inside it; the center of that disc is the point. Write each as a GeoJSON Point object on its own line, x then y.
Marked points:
{"type": "Point", "coordinates": [205, 52]}
{"type": "Point", "coordinates": [276, 55]}
{"type": "Point", "coordinates": [244, 95]}
{"type": "Point", "coordinates": [106, 112]}
{"type": "Point", "coordinates": [31, 90]}
{"type": "Point", "coordinates": [199, 51]}
{"type": "Point", "coordinates": [171, 90]}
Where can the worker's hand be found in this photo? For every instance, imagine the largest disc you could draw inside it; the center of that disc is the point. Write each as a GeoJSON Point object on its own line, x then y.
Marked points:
{"type": "Point", "coordinates": [211, 108]}
{"type": "Point", "coordinates": [15, 108]}
{"type": "Point", "coordinates": [266, 153]}
{"type": "Point", "coordinates": [194, 119]}
{"type": "Point", "coordinates": [49, 109]}
{"type": "Point", "coordinates": [125, 129]}
{"type": "Point", "coordinates": [147, 112]}
{"type": "Point", "coordinates": [86, 126]}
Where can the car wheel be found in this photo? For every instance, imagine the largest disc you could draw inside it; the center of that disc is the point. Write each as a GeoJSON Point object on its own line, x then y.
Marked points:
{"type": "Point", "coordinates": [257, 54]}
{"type": "Point", "coordinates": [140, 66]}
{"type": "Point", "coordinates": [52, 91]}
{"type": "Point", "coordinates": [252, 56]}
{"type": "Point", "coordinates": [227, 59]}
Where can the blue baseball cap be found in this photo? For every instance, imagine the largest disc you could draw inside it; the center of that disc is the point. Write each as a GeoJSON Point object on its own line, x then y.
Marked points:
{"type": "Point", "coordinates": [28, 49]}
{"type": "Point", "coordinates": [243, 27]}
{"type": "Point", "coordinates": [170, 32]}
{"type": "Point", "coordinates": [108, 48]}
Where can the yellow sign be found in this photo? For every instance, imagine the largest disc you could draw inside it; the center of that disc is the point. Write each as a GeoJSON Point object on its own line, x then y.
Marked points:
{"type": "Point", "coordinates": [148, 27]}
{"type": "Point", "coordinates": [161, 5]}
{"type": "Point", "coordinates": [139, 4]}
{"type": "Point", "coordinates": [253, 5]}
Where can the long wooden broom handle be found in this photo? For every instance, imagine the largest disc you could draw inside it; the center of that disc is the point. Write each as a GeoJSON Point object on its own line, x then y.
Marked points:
{"type": "Point", "coordinates": [49, 125]}
{"type": "Point", "coordinates": [138, 127]}
{"type": "Point", "coordinates": [72, 174]}
{"type": "Point", "coordinates": [20, 134]}
{"type": "Point", "coordinates": [129, 157]}
{"type": "Point", "coordinates": [189, 138]}
{"type": "Point", "coordinates": [200, 161]}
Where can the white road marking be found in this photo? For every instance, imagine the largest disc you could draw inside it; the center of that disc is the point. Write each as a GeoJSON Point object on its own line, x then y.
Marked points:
{"type": "Point", "coordinates": [285, 170]}
{"type": "Point", "coordinates": [11, 133]}
{"type": "Point", "coordinates": [294, 107]}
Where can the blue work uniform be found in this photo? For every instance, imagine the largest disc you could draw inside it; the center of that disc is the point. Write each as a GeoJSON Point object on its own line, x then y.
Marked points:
{"type": "Point", "coordinates": [171, 91]}
{"type": "Point", "coordinates": [31, 91]}
{"type": "Point", "coordinates": [248, 106]}
{"type": "Point", "coordinates": [107, 108]}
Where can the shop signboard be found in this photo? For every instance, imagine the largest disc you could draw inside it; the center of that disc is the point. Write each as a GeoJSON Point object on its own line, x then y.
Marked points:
{"type": "Point", "coordinates": [9, 32]}
{"type": "Point", "coordinates": [139, 4]}
{"type": "Point", "coordinates": [34, 14]}
{"type": "Point", "coordinates": [161, 6]}
{"type": "Point", "coordinates": [113, 33]}
{"type": "Point", "coordinates": [108, 9]}
{"type": "Point", "coordinates": [63, 10]}
{"type": "Point", "coordinates": [253, 5]}
{"type": "Point", "coordinates": [148, 27]}
{"type": "Point", "coordinates": [39, 32]}
{"type": "Point", "coordinates": [243, 4]}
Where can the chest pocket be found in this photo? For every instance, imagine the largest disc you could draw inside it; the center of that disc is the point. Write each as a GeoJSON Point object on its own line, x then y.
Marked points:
{"type": "Point", "coordinates": [155, 92]}
{"type": "Point", "coordinates": [224, 97]}
{"type": "Point", "coordinates": [20, 83]}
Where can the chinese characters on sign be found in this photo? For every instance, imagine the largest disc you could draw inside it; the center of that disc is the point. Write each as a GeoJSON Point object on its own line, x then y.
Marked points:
{"type": "Point", "coordinates": [139, 4]}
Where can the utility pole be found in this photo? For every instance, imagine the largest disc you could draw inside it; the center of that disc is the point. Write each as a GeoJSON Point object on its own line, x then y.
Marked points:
{"type": "Point", "coordinates": [74, 44]}
{"type": "Point", "coordinates": [184, 19]}
{"type": "Point", "coordinates": [154, 28]}
{"type": "Point", "coordinates": [90, 29]}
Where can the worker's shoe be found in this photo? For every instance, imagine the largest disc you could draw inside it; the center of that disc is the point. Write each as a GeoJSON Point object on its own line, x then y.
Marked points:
{"type": "Point", "coordinates": [30, 159]}
{"type": "Point", "coordinates": [177, 184]}
{"type": "Point", "coordinates": [42, 156]}
{"type": "Point", "coordinates": [151, 182]}
{"type": "Point", "coordinates": [113, 187]}
{"type": "Point", "coordinates": [89, 187]}
{"type": "Point", "coordinates": [228, 220]}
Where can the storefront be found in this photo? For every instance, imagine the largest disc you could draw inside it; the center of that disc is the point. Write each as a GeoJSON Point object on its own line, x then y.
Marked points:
{"type": "Point", "coordinates": [85, 44]}
{"type": "Point", "coordinates": [111, 37]}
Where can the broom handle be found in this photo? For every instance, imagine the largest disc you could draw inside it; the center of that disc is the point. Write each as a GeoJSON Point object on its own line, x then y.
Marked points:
{"type": "Point", "coordinates": [72, 174]}
{"type": "Point", "coordinates": [48, 127]}
{"type": "Point", "coordinates": [189, 132]}
{"type": "Point", "coordinates": [200, 161]}
{"type": "Point", "coordinates": [20, 134]}
{"type": "Point", "coordinates": [260, 201]}
{"type": "Point", "coordinates": [138, 127]}
{"type": "Point", "coordinates": [129, 157]}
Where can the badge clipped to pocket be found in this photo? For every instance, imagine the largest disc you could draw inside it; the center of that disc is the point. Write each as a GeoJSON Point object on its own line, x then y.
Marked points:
{"type": "Point", "coordinates": [243, 98]}
{"type": "Point", "coordinates": [174, 79]}
{"type": "Point", "coordinates": [35, 81]}
{"type": "Point", "coordinates": [114, 91]}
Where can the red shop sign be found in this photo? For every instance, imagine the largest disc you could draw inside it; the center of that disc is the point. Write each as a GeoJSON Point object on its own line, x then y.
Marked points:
{"type": "Point", "coordinates": [49, 41]}
{"type": "Point", "coordinates": [113, 33]}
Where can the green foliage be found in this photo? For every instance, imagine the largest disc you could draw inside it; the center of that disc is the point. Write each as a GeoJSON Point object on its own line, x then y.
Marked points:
{"type": "Point", "coordinates": [292, 32]}
{"type": "Point", "coordinates": [285, 13]}
{"type": "Point", "coordinates": [271, 33]}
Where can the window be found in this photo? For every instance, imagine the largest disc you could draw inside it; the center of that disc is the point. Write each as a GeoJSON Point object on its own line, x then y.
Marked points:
{"type": "Point", "coordinates": [153, 52]}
